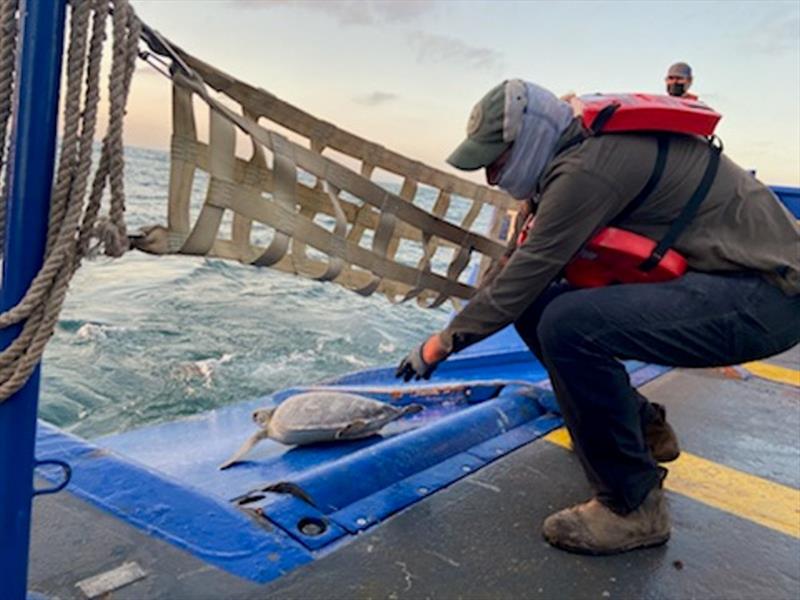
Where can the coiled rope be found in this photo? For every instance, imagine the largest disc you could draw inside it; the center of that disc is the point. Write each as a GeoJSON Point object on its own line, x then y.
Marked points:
{"type": "Point", "coordinates": [74, 219]}
{"type": "Point", "coordinates": [8, 56]}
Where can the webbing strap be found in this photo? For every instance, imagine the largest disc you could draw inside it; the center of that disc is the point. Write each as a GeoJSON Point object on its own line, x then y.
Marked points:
{"type": "Point", "coordinates": [454, 270]}
{"type": "Point", "coordinates": [285, 180]}
{"type": "Point", "coordinates": [380, 244]}
{"type": "Point", "coordinates": [242, 227]}
{"type": "Point", "coordinates": [689, 211]}
{"type": "Point", "coordinates": [461, 258]}
{"type": "Point", "coordinates": [182, 160]}
{"type": "Point", "coordinates": [424, 266]}
{"type": "Point", "coordinates": [602, 117]}
{"type": "Point", "coordinates": [335, 264]}
{"type": "Point", "coordinates": [222, 141]}
{"type": "Point", "coordinates": [652, 182]}
{"type": "Point", "coordinates": [429, 248]}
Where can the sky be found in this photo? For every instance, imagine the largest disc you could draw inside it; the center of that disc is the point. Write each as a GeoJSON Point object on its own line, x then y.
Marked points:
{"type": "Point", "coordinates": [406, 74]}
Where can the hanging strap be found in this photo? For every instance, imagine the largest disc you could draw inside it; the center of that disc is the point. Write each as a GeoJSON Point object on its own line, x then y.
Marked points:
{"type": "Point", "coordinates": [595, 129]}
{"type": "Point", "coordinates": [692, 206]}
{"type": "Point", "coordinates": [602, 117]}
{"type": "Point", "coordinates": [652, 182]}
{"type": "Point", "coordinates": [690, 210]}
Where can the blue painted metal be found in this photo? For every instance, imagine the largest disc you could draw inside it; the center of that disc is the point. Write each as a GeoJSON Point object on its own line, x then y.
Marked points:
{"type": "Point", "coordinates": [289, 513]}
{"type": "Point", "coordinates": [203, 524]}
{"type": "Point", "coordinates": [371, 483]}
{"type": "Point", "coordinates": [223, 430]}
{"type": "Point", "coordinates": [374, 508]}
{"type": "Point", "coordinates": [371, 469]}
{"type": "Point", "coordinates": [351, 486]}
{"type": "Point", "coordinates": [30, 178]}
{"type": "Point", "coordinates": [790, 196]}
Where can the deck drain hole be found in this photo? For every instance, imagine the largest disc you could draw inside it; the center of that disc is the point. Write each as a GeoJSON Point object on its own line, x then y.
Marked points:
{"type": "Point", "coordinates": [312, 526]}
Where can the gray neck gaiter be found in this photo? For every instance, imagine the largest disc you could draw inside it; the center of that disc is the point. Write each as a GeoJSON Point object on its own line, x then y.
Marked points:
{"type": "Point", "coordinates": [544, 119]}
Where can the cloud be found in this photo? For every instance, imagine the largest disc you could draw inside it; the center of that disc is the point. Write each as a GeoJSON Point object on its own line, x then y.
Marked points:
{"type": "Point", "coordinates": [401, 10]}
{"type": "Point", "coordinates": [354, 12]}
{"type": "Point", "coordinates": [375, 98]}
{"type": "Point", "coordinates": [443, 49]}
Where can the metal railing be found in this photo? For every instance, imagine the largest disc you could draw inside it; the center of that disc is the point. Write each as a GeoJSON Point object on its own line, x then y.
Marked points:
{"type": "Point", "coordinates": [30, 168]}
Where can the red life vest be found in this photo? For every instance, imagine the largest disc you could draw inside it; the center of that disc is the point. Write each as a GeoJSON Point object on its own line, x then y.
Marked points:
{"type": "Point", "coordinates": [614, 256]}
{"type": "Point", "coordinates": [647, 112]}
{"type": "Point", "coordinates": [618, 256]}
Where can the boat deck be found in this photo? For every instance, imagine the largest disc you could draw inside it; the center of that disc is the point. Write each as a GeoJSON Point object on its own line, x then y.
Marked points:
{"type": "Point", "coordinates": [734, 495]}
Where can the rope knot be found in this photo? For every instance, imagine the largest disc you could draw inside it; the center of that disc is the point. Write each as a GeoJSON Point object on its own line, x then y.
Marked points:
{"type": "Point", "coordinates": [111, 236]}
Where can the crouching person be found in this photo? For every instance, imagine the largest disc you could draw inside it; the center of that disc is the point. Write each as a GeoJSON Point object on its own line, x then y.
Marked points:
{"type": "Point", "coordinates": [739, 301]}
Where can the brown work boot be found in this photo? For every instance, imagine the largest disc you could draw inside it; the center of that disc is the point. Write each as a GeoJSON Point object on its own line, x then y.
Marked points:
{"type": "Point", "coordinates": [661, 438]}
{"type": "Point", "coordinates": [592, 528]}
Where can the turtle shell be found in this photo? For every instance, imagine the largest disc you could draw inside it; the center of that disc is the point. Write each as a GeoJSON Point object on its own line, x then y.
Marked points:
{"type": "Point", "coordinates": [323, 416]}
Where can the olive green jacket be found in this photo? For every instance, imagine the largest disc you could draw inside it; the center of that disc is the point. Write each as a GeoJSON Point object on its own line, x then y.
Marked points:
{"type": "Point", "coordinates": [740, 226]}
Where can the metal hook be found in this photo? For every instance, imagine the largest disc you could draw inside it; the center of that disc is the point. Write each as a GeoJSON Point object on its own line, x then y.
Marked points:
{"type": "Point", "coordinates": [65, 467]}
{"type": "Point", "coordinates": [715, 143]}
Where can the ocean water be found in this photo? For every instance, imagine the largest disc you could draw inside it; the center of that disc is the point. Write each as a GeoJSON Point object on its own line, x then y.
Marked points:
{"type": "Point", "coordinates": [146, 339]}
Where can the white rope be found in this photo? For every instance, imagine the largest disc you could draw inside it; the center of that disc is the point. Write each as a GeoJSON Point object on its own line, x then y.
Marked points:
{"type": "Point", "coordinates": [8, 54]}
{"type": "Point", "coordinates": [72, 217]}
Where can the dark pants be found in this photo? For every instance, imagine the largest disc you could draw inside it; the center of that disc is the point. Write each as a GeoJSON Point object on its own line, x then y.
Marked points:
{"type": "Point", "coordinates": [699, 320]}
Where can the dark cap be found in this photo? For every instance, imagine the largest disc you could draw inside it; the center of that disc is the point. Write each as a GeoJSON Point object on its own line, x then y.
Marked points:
{"type": "Point", "coordinates": [680, 69]}
{"type": "Point", "coordinates": [486, 138]}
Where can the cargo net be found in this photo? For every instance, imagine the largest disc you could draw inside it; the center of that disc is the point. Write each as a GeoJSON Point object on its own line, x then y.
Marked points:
{"type": "Point", "coordinates": [314, 200]}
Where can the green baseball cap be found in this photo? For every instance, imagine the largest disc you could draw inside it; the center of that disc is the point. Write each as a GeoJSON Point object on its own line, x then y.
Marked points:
{"type": "Point", "coordinates": [487, 130]}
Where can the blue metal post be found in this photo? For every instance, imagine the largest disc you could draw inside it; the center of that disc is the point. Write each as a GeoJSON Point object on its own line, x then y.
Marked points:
{"type": "Point", "coordinates": [30, 167]}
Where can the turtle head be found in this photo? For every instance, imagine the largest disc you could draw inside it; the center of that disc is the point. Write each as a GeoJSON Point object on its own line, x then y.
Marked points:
{"type": "Point", "coordinates": [263, 416]}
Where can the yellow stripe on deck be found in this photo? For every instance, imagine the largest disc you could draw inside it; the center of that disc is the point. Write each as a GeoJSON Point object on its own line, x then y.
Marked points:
{"type": "Point", "coordinates": [774, 372]}
{"type": "Point", "coordinates": [764, 502]}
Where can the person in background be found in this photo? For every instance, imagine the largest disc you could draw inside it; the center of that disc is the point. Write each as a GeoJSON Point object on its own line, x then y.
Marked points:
{"type": "Point", "coordinates": [679, 80]}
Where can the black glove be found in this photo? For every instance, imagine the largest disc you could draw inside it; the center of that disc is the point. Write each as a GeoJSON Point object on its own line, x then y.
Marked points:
{"type": "Point", "coordinates": [415, 366]}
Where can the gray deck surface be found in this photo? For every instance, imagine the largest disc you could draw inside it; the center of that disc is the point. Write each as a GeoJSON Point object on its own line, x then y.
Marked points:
{"type": "Point", "coordinates": [480, 537]}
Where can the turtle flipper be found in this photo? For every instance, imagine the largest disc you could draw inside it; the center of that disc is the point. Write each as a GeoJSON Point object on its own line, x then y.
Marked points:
{"type": "Point", "coordinates": [353, 430]}
{"type": "Point", "coordinates": [246, 447]}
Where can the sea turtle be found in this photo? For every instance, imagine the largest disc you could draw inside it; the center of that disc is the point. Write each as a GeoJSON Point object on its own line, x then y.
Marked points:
{"type": "Point", "coordinates": [322, 416]}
